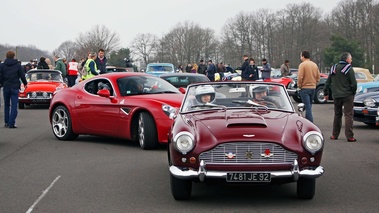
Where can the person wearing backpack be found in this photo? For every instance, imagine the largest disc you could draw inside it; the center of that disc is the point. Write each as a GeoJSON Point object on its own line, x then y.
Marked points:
{"type": "Point", "coordinates": [90, 66]}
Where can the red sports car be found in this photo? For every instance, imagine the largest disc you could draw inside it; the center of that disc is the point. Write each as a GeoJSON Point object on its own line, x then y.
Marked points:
{"type": "Point", "coordinates": [41, 86]}
{"type": "Point", "coordinates": [129, 105]}
{"type": "Point", "coordinates": [242, 133]}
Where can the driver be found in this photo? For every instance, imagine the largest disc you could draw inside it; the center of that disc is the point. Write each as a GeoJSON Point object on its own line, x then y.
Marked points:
{"type": "Point", "coordinates": [205, 94]}
{"type": "Point", "coordinates": [259, 94]}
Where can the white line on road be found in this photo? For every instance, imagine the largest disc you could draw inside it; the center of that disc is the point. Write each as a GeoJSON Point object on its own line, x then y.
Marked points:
{"type": "Point", "coordinates": [43, 195]}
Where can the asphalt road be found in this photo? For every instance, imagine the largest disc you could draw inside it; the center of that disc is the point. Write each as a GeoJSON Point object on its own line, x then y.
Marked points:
{"type": "Point", "coordinates": [39, 173]}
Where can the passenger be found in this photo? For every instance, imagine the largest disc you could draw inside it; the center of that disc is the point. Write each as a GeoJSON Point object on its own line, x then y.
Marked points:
{"type": "Point", "coordinates": [205, 94]}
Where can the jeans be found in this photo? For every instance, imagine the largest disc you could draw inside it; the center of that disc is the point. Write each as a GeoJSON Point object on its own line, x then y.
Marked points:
{"type": "Point", "coordinates": [306, 96]}
{"type": "Point", "coordinates": [343, 106]}
{"type": "Point", "coordinates": [10, 105]}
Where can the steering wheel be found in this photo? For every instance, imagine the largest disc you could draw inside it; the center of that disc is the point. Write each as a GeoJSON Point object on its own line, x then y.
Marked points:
{"type": "Point", "coordinates": [269, 104]}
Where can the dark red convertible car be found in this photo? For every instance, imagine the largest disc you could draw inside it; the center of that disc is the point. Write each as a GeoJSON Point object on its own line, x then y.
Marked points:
{"type": "Point", "coordinates": [242, 133]}
{"type": "Point", "coordinates": [129, 105]}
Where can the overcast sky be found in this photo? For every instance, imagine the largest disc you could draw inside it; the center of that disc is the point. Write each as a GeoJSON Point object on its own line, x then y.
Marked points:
{"type": "Point", "coordinates": [46, 24]}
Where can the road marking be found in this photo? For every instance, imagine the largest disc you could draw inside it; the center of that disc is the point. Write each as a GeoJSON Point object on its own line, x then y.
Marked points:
{"type": "Point", "coordinates": [43, 195]}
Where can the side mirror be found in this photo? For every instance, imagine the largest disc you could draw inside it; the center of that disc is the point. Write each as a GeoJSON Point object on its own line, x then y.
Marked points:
{"type": "Point", "coordinates": [300, 108]}
{"type": "Point", "coordinates": [104, 93]}
{"type": "Point", "coordinates": [182, 90]}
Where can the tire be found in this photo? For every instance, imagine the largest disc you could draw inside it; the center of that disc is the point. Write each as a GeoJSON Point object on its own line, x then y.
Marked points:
{"type": "Point", "coordinates": [319, 95]}
{"type": "Point", "coordinates": [147, 131]}
{"type": "Point", "coordinates": [306, 188]}
{"type": "Point", "coordinates": [21, 105]}
{"type": "Point", "coordinates": [180, 189]}
{"type": "Point", "coordinates": [370, 124]}
{"type": "Point", "coordinates": [61, 124]}
{"type": "Point", "coordinates": [297, 98]}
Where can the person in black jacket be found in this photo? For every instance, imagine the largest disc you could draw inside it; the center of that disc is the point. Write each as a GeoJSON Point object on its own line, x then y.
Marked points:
{"type": "Point", "coordinates": [343, 83]}
{"type": "Point", "coordinates": [10, 74]}
{"type": "Point", "coordinates": [101, 61]}
{"type": "Point", "coordinates": [42, 64]}
{"type": "Point", "coordinates": [251, 71]}
{"type": "Point", "coordinates": [244, 68]}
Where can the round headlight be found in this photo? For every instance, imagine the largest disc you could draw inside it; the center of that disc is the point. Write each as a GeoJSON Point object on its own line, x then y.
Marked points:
{"type": "Point", "coordinates": [184, 142]}
{"type": "Point", "coordinates": [34, 95]}
{"type": "Point", "coordinates": [313, 141]}
{"type": "Point", "coordinates": [369, 102]}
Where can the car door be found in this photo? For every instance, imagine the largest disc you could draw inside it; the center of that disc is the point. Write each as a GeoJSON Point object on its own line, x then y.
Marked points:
{"type": "Point", "coordinates": [97, 115]}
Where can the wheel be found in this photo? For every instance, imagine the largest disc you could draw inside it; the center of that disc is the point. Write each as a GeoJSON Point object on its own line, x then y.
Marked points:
{"type": "Point", "coordinates": [21, 105]}
{"type": "Point", "coordinates": [180, 189]}
{"type": "Point", "coordinates": [297, 98]}
{"type": "Point", "coordinates": [62, 125]}
{"type": "Point", "coordinates": [319, 95]}
{"type": "Point", "coordinates": [306, 188]}
{"type": "Point", "coordinates": [147, 131]}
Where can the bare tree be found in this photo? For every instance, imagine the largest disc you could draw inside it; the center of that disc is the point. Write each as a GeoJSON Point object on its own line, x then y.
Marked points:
{"type": "Point", "coordinates": [144, 46]}
{"type": "Point", "coordinates": [99, 37]}
{"type": "Point", "coordinates": [66, 50]}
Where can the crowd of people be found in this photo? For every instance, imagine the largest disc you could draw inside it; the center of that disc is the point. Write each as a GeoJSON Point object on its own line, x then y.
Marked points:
{"type": "Point", "coordinates": [342, 75]}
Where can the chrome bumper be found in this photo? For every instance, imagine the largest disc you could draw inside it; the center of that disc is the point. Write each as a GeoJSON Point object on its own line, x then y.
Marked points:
{"type": "Point", "coordinates": [202, 173]}
{"type": "Point", "coordinates": [291, 92]}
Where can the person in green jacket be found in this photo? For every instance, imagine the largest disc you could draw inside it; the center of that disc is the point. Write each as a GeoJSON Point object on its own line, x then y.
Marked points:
{"type": "Point", "coordinates": [343, 85]}
{"type": "Point", "coordinates": [60, 65]}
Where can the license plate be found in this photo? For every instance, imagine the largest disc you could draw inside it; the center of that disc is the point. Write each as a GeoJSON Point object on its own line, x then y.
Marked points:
{"type": "Point", "coordinates": [248, 177]}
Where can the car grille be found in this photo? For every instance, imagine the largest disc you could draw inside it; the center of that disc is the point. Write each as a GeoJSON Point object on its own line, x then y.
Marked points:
{"type": "Point", "coordinates": [40, 95]}
{"type": "Point", "coordinates": [248, 153]}
{"type": "Point", "coordinates": [359, 104]}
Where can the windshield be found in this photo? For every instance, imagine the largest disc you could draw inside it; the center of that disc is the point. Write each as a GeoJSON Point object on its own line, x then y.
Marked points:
{"type": "Point", "coordinates": [160, 68]}
{"type": "Point", "coordinates": [139, 85]}
{"type": "Point", "coordinates": [259, 96]}
{"type": "Point", "coordinates": [44, 76]}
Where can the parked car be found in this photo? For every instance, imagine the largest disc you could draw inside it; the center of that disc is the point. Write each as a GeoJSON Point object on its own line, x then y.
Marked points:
{"type": "Point", "coordinates": [367, 87]}
{"type": "Point", "coordinates": [363, 75]}
{"type": "Point", "coordinates": [366, 108]}
{"type": "Point", "coordinates": [244, 133]}
{"type": "Point", "coordinates": [158, 69]}
{"type": "Point", "coordinates": [319, 94]}
{"type": "Point", "coordinates": [184, 79]}
{"type": "Point", "coordinates": [118, 69]}
{"type": "Point", "coordinates": [129, 105]}
{"type": "Point", "coordinates": [276, 76]}
{"type": "Point", "coordinates": [41, 86]}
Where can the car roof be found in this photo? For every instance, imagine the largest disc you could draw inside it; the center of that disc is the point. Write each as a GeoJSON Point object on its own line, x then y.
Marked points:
{"type": "Point", "coordinates": [181, 74]}
{"type": "Point", "coordinates": [160, 64]}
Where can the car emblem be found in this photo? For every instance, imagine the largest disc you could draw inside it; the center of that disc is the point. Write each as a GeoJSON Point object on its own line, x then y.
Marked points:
{"type": "Point", "coordinates": [267, 154]}
{"type": "Point", "coordinates": [230, 155]}
{"type": "Point", "coordinates": [248, 136]}
{"type": "Point", "coordinates": [249, 155]}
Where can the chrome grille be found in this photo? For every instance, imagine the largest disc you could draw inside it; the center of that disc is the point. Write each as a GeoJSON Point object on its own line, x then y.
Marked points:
{"type": "Point", "coordinates": [243, 151]}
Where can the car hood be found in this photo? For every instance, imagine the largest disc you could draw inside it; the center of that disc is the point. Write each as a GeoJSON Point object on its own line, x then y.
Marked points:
{"type": "Point", "coordinates": [247, 125]}
{"type": "Point", "coordinates": [361, 97]}
{"type": "Point", "coordinates": [42, 86]}
{"type": "Point", "coordinates": [368, 84]}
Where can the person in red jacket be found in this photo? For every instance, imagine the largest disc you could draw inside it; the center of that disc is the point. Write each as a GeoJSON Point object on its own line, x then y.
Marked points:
{"type": "Point", "coordinates": [72, 73]}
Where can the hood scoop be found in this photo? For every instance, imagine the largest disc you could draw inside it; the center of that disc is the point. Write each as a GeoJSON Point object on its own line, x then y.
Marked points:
{"type": "Point", "coordinates": [245, 120]}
